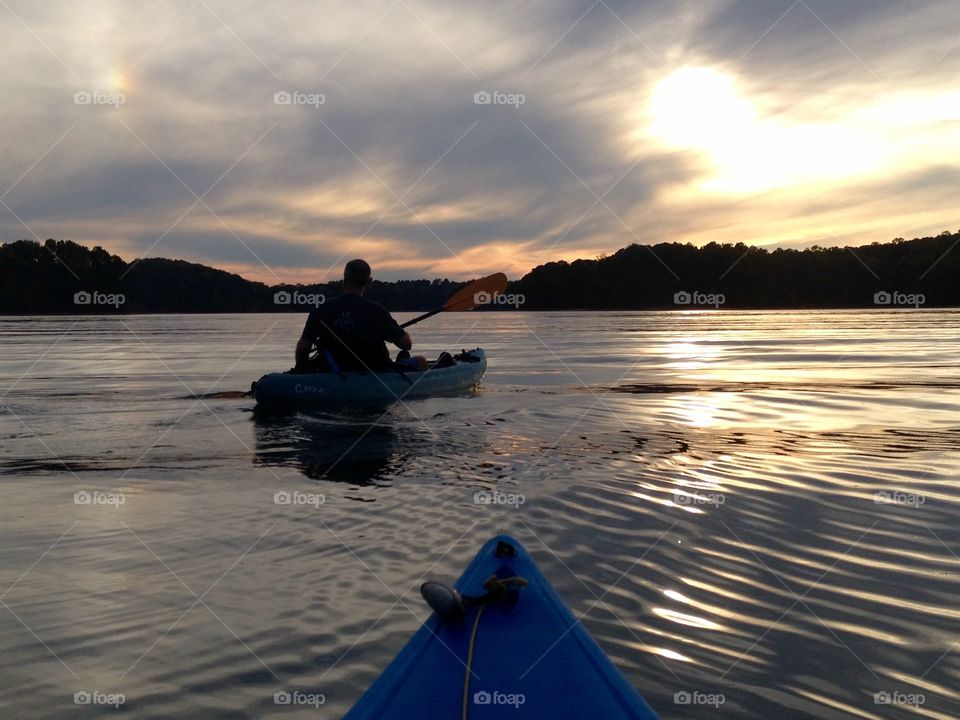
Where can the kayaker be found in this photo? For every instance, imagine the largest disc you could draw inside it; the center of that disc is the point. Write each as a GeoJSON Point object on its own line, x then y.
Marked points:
{"type": "Point", "coordinates": [350, 330]}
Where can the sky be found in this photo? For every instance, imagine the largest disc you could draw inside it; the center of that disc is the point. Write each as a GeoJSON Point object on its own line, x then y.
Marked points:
{"type": "Point", "coordinates": [454, 139]}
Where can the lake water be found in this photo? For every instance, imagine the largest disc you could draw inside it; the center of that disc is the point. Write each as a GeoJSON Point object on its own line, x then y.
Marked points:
{"type": "Point", "coordinates": [759, 508]}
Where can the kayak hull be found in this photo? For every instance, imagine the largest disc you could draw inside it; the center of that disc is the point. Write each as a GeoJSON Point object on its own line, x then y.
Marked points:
{"type": "Point", "coordinates": [532, 659]}
{"type": "Point", "coordinates": [382, 388]}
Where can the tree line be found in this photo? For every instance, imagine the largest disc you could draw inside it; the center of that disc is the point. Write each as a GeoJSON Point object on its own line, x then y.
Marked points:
{"type": "Point", "coordinates": [63, 277]}
{"type": "Point", "coordinates": [923, 271]}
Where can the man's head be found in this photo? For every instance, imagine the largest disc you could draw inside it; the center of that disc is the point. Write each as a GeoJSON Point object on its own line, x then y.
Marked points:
{"type": "Point", "coordinates": [356, 275]}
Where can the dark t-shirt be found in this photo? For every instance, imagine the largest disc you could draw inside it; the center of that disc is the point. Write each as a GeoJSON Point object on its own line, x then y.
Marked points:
{"type": "Point", "coordinates": [354, 330]}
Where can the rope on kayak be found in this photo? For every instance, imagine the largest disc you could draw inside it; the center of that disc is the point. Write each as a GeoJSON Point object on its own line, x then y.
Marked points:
{"type": "Point", "coordinates": [497, 589]}
{"type": "Point", "coordinates": [465, 707]}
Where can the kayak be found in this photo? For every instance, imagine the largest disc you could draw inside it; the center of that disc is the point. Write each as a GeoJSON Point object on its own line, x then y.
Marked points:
{"type": "Point", "coordinates": [506, 647]}
{"type": "Point", "coordinates": [379, 388]}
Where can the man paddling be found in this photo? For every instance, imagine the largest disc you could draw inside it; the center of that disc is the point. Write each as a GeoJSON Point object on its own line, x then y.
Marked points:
{"type": "Point", "coordinates": [350, 330]}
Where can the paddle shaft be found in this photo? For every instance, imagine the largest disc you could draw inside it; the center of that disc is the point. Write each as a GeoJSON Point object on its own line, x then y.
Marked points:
{"type": "Point", "coordinates": [408, 323]}
{"type": "Point", "coordinates": [468, 297]}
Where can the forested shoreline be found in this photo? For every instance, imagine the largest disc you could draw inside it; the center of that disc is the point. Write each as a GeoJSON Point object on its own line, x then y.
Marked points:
{"type": "Point", "coordinates": [63, 277]}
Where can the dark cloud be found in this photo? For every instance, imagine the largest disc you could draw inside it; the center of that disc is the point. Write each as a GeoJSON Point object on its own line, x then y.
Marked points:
{"type": "Point", "coordinates": [109, 189]}
{"type": "Point", "coordinates": [221, 245]}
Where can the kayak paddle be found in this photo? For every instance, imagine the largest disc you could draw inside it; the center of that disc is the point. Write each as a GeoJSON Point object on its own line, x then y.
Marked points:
{"type": "Point", "coordinates": [467, 298]}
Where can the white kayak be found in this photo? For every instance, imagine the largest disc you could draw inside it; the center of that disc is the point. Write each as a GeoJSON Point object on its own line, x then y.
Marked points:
{"type": "Point", "coordinates": [366, 388]}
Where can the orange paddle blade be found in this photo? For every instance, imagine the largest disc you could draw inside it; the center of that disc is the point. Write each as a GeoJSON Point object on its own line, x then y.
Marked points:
{"type": "Point", "coordinates": [479, 292]}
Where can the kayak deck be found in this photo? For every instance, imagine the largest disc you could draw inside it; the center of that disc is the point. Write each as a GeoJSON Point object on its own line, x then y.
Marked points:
{"type": "Point", "coordinates": [531, 658]}
{"type": "Point", "coordinates": [356, 388]}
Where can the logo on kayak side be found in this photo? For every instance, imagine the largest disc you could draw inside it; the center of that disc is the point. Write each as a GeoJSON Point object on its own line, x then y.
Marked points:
{"type": "Point", "coordinates": [495, 497]}
{"type": "Point", "coordinates": [285, 497]}
{"type": "Point", "coordinates": [301, 389]}
{"type": "Point", "coordinates": [495, 697]}
{"type": "Point", "coordinates": [695, 697]}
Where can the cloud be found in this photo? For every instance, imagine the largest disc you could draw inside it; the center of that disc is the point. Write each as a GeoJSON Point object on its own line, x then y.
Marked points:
{"type": "Point", "coordinates": [842, 107]}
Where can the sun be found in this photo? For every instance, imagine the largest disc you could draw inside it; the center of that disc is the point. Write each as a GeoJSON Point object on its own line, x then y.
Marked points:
{"type": "Point", "coordinates": [704, 110]}
{"type": "Point", "coordinates": [699, 107]}
{"type": "Point", "coordinates": [119, 80]}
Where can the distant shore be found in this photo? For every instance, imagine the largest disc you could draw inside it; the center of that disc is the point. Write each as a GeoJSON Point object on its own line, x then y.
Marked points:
{"type": "Point", "coordinates": [63, 278]}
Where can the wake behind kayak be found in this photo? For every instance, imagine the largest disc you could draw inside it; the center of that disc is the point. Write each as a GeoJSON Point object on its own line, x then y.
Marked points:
{"type": "Point", "coordinates": [502, 645]}
{"type": "Point", "coordinates": [290, 389]}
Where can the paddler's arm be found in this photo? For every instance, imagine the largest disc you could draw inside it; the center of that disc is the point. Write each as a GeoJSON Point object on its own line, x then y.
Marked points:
{"type": "Point", "coordinates": [305, 343]}
{"type": "Point", "coordinates": [304, 346]}
{"type": "Point", "coordinates": [404, 342]}
{"type": "Point", "coordinates": [392, 332]}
